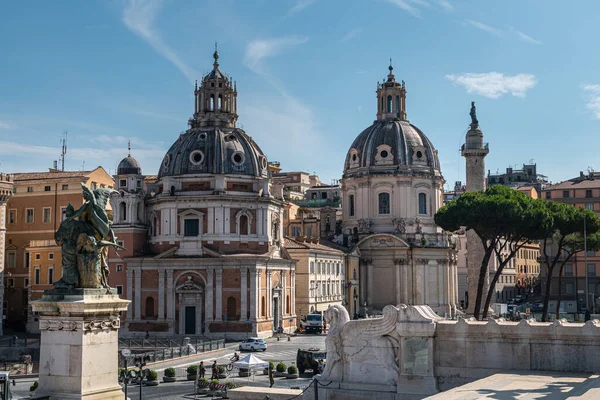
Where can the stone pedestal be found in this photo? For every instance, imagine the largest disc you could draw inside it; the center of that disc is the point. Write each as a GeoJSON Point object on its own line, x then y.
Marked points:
{"type": "Point", "coordinates": [79, 344]}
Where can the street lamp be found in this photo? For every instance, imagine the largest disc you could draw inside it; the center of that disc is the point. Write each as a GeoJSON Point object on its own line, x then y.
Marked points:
{"type": "Point", "coordinates": [585, 270]}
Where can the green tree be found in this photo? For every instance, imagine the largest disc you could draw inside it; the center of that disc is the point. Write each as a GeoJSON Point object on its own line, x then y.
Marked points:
{"type": "Point", "coordinates": [563, 239]}
{"type": "Point", "coordinates": [504, 219]}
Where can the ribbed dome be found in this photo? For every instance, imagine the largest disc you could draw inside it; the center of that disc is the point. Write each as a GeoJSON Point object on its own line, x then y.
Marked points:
{"type": "Point", "coordinates": [129, 166]}
{"type": "Point", "coordinates": [389, 144]}
{"type": "Point", "coordinates": [214, 150]}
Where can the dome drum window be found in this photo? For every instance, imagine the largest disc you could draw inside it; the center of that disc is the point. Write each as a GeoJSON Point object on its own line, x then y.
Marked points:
{"type": "Point", "coordinates": [196, 157]}
{"type": "Point", "coordinates": [238, 158]}
{"type": "Point", "coordinates": [419, 155]}
{"type": "Point", "coordinates": [384, 155]}
{"type": "Point", "coordinates": [354, 159]}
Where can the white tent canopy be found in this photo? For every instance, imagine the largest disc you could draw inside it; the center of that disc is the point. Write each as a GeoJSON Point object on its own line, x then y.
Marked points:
{"type": "Point", "coordinates": [250, 362]}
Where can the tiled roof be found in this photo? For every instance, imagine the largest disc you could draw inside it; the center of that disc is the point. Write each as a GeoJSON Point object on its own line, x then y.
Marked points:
{"type": "Point", "coordinates": [31, 176]}
{"type": "Point", "coordinates": [576, 184]}
{"type": "Point", "coordinates": [290, 243]}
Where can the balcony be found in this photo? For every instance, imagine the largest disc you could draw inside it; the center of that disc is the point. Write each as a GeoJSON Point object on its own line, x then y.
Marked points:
{"type": "Point", "coordinates": [317, 203]}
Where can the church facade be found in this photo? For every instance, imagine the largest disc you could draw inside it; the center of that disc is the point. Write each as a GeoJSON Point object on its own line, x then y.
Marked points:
{"type": "Point", "coordinates": [392, 187]}
{"type": "Point", "coordinates": [204, 239]}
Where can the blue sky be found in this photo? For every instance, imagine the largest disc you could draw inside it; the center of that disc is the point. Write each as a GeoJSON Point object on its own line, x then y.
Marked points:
{"type": "Point", "coordinates": [112, 71]}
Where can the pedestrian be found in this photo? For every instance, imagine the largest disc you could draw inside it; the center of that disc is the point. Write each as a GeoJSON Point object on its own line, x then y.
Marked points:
{"type": "Point", "coordinates": [215, 371]}
{"type": "Point", "coordinates": [15, 340]}
{"type": "Point", "coordinates": [271, 378]}
{"type": "Point", "coordinates": [201, 369]}
{"type": "Point", "coordinates": [147, 335]}
{"type": "Point", "coordinates": [588, 316]}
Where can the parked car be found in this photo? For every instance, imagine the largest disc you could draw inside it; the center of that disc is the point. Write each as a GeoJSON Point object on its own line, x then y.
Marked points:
{"type": "Point", "coordinates": [309, 359]}
{"type": "Point", "coordinates": [253, 344]}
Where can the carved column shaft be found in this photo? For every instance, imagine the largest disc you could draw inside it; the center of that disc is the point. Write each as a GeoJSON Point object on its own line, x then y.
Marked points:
{"type": "Point", "coordinates": [161, 294]}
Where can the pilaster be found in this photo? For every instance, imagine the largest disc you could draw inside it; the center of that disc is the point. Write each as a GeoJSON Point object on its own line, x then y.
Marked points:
{"type": "Point", "coordinates": [170, 296]}
{"type": "Point", "coordinates": [137, 304]}
{"type": "Point", "coordinates": [219, 295]}
{"type": "Point", "coordinates": [254, 295]}
{"type": "Point", "coordinates": [129, 292]}
{"type": "Point", "coordinates": [161, 294]}
{"type": "Point", "coordinates": [209, 310]}
{"type": "Point", "coordinates": [243, 294]}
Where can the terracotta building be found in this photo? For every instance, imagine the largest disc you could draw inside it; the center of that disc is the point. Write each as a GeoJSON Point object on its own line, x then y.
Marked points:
{"type": "Point", "coordinates": [34, 212]}
{"type": "Point", "coordinates": [582, 191]}
{"type": "Point", "coordinates": [204, 242]}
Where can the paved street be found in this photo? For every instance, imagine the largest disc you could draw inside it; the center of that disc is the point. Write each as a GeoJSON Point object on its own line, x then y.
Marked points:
{"type": "Point", "coordinates": [278, 351]}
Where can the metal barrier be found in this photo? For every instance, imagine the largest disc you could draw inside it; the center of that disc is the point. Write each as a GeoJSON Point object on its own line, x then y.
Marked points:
{"type": "Point", "coordinates": [170, 353]}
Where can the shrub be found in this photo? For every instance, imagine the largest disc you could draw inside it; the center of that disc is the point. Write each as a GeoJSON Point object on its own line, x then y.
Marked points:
{"type": "Point", "coordinates": [214, 382]}
{"type": "Point", "coordinates": [281, 367]}
{"type": "Point", "coordinates": [203, 380]}
{"type": "Point", "coordinates": [192, 370]}
{"type": "Point", "coordinates": [152, 375]}
{"type": "Point", "coordinates": [271, 365]}
{"type": "Point", "coordinates": [230, 385]}
{"type": "Point", "coordinates": [292, 370]}
{"type": "Point", "coordinates": [221, 369]}
{"type": "Point", "coordinates": [34, 386]}
{"type": "Point", "coordinates": [170, 372]}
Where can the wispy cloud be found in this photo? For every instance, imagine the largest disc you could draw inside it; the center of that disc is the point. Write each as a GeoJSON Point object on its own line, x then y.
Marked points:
{"type": "Point", "coordinates": [7, 125]}
{"type": "Point", "coordinates": [511, 32]}
{"type": "Point", "coordinates": [494, 84]}
{"type": "Point", "coordinates": [414, 7]}
{"type": "Point", "coordinates": [485, 28]}
{"type": "Point", "coordinates": [351, 34]}
{"type": "Point", "coordinates": [139, 17]}
{"type": "Point", "coordinates": [593, 94]}
{"type": "Point", "coordinates": [524, 37]}
{"type": "Point", "coordinates": [300, 5]}
{"type": "Point", "coordinates": [259, 49]}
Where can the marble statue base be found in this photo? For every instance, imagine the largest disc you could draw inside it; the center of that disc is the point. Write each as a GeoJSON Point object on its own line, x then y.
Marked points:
{"type": "Point", "coordinates": [79, 344]}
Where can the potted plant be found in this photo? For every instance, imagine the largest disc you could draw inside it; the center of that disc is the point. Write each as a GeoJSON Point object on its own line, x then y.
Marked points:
{"type": "Point", "coordinates": [213, 387]}
{"type": "Point", "coordinates": [192, 371]}
{"type": "Point", "coordinates": [280, 370]}
{"type": "Point", "coordinates": [271, 365]}
{"type": "Point", "coordinates": [151, 378]}
{"type": "Point", "coordinates": [203, 386]}
{"type": "Point", "coordinates": [222, 372]}
{"type": "Point", "coordinates": [169, 375]}
{"type": "Point", "coordinates": [292, 372]}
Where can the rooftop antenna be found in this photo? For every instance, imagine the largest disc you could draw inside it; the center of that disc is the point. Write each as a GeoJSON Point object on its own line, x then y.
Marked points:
{"type": "Point", "coordinates": [63, 150]}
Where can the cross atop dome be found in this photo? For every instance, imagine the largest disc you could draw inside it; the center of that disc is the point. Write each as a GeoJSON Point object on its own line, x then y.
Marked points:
{"type": "Point", "coordinates": [391, 98]}
{"type": "Point", "coordinates": [216, 57]}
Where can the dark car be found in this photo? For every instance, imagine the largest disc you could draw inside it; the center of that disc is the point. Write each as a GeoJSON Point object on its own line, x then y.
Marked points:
{"type": "Point", "coordinates": [309, 359]}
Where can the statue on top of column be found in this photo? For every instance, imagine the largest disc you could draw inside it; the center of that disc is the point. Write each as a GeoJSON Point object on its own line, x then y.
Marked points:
{"type": "Point", "coordinates": [473, 114]}
{"type": "Point", "coordinates": [85, 236]}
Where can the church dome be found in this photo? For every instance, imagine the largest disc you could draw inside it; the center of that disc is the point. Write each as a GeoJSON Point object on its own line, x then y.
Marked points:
{"type": "Point", "coordinates": [214, 150]}
{"type": "Point", "coordinates": [391, 144]}
{"type": "Point", "coordinates": [129, 166]}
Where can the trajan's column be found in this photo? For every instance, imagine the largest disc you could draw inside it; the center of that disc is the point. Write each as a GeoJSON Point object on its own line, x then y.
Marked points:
{"type": "Point", "coordinates": [474, 150]}
{"type": "Point", "coordinates": [6, 185]}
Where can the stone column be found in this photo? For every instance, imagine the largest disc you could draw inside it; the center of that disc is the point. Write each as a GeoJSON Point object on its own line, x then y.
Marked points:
{"type": "Point", "coordinates": [406, 281]}
{"type": "Point", "coordinates": [209, 310]}
{"type": "Point", "coordinates": [243, 294]}
{"type": "Point", "coordinates": [253, 295]}
{"type": "Point", "coordinates": [137, 304]}
{"type": "Point", "coordinates": [6, 185]}
{"type": "Point", "coordinates": [170, 297]}
{"type": "Point", "coordinates": [219, 295]}
{"type": "Point", "coordinates": [259, 292]}
{"type": "Point", "coordinates": [161, 294]}
{"type": "Point", "coordinates": [362, 270]}
{"type": "Point", "coordinates": [284, 292]}
{"type": "Point", "coordinates": [129, 278]}
{"type": "Point", "coordinates": [269, 295]}
{"type": "Point", "coordinates": [293, 293]}
{"type": "Point", "coordinates": [399, 282]}
{"type": "Point", "coordinates": [369, 283]}
{"type": "Point", "coordinates": [79, 344]}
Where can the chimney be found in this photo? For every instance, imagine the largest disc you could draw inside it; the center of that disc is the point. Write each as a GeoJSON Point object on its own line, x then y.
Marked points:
{"type": "Point", "coordinates": [55, 164]}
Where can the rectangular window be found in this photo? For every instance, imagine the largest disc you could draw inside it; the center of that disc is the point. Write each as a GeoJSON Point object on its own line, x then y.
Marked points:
{"type": "Point", "coordinates": [122, 182]}
{"type": "Point", "coordinates": [591, 270]}
{"type": "Point", "coordinates": [295, 231]}
{"type": "Point", "coordinates": [589, 206]}
{"type": "Point", "coordinates": [588, 193]}
{"type": "Point", "coordinates": [121, 243]}
{"type": "Point", "coordinates": [26, 259]}
{"type": "Point", "coordinates": [568, 288]}
{"type": "Point", "coordinates": [11, 259]}
{"type": "Point", "coordinates": [11, 282]}
{"type": "Point", "coordinates": [50, 276]}
{"type": "Point", "coordinates": [65, 187]}
{"type": "Point", "coordinates": [191, 227]}
{"type": "Point", "coordinates": [26, 282]}
{"type": "Point", "coordinates": [309, 231]}
{"type": "Point", "coordinates": [139, 184]}
{"type": "Point", "coordinates": [565, 194]}
{"type": "Point", "coordinates": [119, 267]}
{"type": "Point", "coordinates": [29, 215]}
{"type": "Point", "coordinates": [568, 269]}
{"type": "Point", "coordinates": [12, 216]}
{"type": "Point", "coordinates": [422, 203]}
{"type": "Point", "coordinates": [36, 278]}
{"type": "Point", "coordinates": [47, 188]}
{"type": "Point", "coordinates": [548, 195]}
{"type": "Point", "coordinates": [312, 267]}
{"type": "Point", "coordinates": [591, 253]}
{"type": "Point", "coordinates": [384, 203]}
{"type": "Point", "coordinates": [50, 256]}
{"type": "Point", "coordinates": [38, 256]}
{"type": "Point", "coordinates": [29, 189]}
{"type": "Point", "coordinates": [351, 204]}
{"type": "Point", "coordinates": [119, 289]}
{"type": "Point", "coordinates": [47, 215]}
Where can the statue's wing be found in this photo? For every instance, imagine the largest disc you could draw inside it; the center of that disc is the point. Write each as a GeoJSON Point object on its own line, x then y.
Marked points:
{"type": "Point", "coordinates": [372, 328]}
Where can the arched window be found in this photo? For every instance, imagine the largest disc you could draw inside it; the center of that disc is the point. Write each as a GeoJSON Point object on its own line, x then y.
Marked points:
{"type": "Point", "coordinates": [312, 267]}
{"type": "Point", "coordinates": [384, 203]}
{"type": "Point", "coordinates": [231, 308]}
{"type": "Point", "coordinates": [382, 103]}
{"type": "Point", "coordinates": [263, 307]}
{"type": "Point", "coordinates": [351, 204]}
{"type": "Point", "coordinates": [287, 305]}
{"type": "Point", "coordinates": [243, 225]}
{"type": "Point", "coordinates": [220, 102]}
{"type": "Point", "coordinates": [150, 307]}
{"type": "Point", "coordinates": [389, 104]}
{"type": "Point", "coordinates": [398, 105]}
{"type": "Point", "coordinates": [212, 102]}
{"type": "Point", "coordinates": [122, 211]}
{"type": "Point", "coordinates": [422, 203]}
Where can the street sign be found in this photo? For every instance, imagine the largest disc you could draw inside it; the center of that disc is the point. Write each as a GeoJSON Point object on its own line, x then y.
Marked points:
{"type": "Point", "coordinates": [126, 352]}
